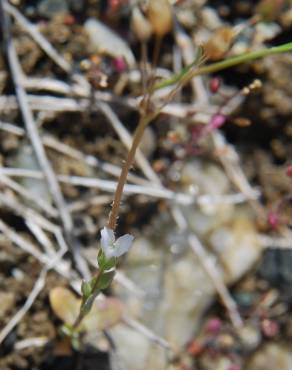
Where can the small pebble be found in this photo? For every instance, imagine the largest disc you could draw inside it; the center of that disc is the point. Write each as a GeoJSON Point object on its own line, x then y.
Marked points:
{"type": "Point", "coordinates": [195, 348]}
{"type": "Point", "coordinates": [225, 341]}
{"type": "Point", "coordinates": [250, 337]}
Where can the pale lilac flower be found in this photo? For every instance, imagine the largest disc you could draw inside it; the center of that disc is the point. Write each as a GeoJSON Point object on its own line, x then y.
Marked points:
{"type": "Point", "coordinates": [114, 248]}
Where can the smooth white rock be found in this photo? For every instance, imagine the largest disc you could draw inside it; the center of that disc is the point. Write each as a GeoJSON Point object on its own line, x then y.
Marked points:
{"type": "Point", "coordinates": [104, 40]}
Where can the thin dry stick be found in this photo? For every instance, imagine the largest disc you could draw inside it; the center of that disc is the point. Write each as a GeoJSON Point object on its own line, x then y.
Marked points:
{"type": "Point", "coordinates": [56, 86]}
{"type": "Point", "coordinates": [90, 160]}
{"type": "Point", "coordinates": [22, 243]}
{"type": "Point", "coordinates": [33, 134]}
{"type": "Point", "coordinates": [85, 204]}
{"type": "Point", "coordinates": [54, 262]}
{"type": "Point", "coordinates": [31, 343]}
{"type": "Point", "coordinates": [65, 149]}
{"type": "Point", "coordinates": [27, 213]}
{"type": "Point", "coordinates": [52, 85]}
{"type": "Point", "coordinates": [231, 164]}
{"type": "Point", "coordinates": [197, 112]}
{"type": "Point", "coordinates": [147, 333]}
{"type": "Point", "coordinates": [24, 192]}
{"type": "Point", "coordinates": [150, 191]}
{"type": "Point", "coordinates": [38, 286]}
{"type": "Point", "coordinates": [216, 279]}
{"type": "Point", "coordinates": [41, 237]}
{"type": "Point", "coordinates": [106, 185]}
{"type": "Point", "coordinates": [13, 129]}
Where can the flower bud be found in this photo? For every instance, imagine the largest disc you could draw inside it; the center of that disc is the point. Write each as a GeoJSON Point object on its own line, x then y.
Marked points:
{"type": "Point", "coordinates": [160, 16]}
{"type": "Point", "coordinates": [214, 85]}
{"type": "Point", "coordinates": [219, 43]}
{"type": "Point", "coordinates": [269, 10]}
{"type": "Point", "coordinates": [216, 121]}
{"type": "Point", "coordinates": [140, 25]}
{"type": "Point", "coordinates": [273, 220]}
{"type": "Point", "coordinates": [214, 326]}
{"type": "Point", "coordinates": [270, 328]}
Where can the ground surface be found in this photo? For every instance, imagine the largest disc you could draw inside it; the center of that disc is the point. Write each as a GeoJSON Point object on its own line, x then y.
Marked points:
{"type": "Point", "coordinates": [258, 126]}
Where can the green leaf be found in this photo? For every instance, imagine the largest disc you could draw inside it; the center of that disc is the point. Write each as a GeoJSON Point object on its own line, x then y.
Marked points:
{"type": "Point", "coordinates": [180, 75]}
{"type": "Point", "coordinates": [86, 288]}
{"type": "Point", "coordinates": [88, 302]}
{"type": "Point", "coordinates": [104, 263]}
{"type": "Point", "coordinates": [226, 63]}
{"type": "Point", "coordinates": [106, 279]}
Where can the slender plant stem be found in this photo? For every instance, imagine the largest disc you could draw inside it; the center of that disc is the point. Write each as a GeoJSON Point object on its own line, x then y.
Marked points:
{"type": "Point", "coordinates": [95, 291]}
{"type": "Point", "coordinates": [143, 122]}
{"type": "Point", "coordinates": [227, 63]}
{"type": "Point", "coordinates": [156, 52]}
{"type": "Point", "coordinates": [144, 72]}
{"type": "Point", "coordinates": [151, 82]}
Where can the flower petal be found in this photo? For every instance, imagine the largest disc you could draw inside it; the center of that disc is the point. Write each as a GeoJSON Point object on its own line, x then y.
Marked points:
{"type": "Point", "coordinates": [109, 252]}
{"type": "Point", "coordinates": [123, 244]}
{"type": "Point", "coordinates": [107, 238]}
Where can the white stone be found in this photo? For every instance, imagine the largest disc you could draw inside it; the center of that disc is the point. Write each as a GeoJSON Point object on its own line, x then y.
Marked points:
{"type": "Point", "coordinates": [104, 40]}
{"type": "Point", "coordinates": [272, 357]}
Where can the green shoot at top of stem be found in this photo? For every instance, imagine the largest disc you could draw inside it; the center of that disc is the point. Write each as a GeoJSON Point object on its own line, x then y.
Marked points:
{"type": "Point", "coordinates": [226, 63]}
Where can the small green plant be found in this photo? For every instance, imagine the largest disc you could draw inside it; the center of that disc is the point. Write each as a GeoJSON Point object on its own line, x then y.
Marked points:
{"type": "Point", "coordinates": [112, 248]}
